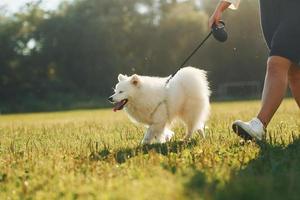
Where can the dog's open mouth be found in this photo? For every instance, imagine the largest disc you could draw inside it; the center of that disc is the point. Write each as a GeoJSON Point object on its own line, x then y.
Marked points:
{"type": "Point", "coordinates": [120, 105]}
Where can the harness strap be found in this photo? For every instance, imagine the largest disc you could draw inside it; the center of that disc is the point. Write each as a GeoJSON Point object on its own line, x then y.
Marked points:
{"type": "Point", "coordinates": [158, 105]}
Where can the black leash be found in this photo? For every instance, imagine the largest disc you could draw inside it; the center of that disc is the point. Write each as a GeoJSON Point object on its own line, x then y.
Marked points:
{"type": "Point", "coordinates": [219, 33]}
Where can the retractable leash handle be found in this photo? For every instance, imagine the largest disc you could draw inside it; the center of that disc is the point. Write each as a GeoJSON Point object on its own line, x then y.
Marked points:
{"type": "Point", "coordinates": [219, 33]}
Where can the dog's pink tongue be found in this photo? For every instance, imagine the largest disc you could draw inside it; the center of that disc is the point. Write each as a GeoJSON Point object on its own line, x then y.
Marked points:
{"type": "Point", "coordinates": [115, 109]}
{"type": "Point", "coordinates": [117, 106]}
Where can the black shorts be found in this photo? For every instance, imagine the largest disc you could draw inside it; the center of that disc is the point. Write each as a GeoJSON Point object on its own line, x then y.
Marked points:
{"type": "Point", "coordinates": [280, 20]}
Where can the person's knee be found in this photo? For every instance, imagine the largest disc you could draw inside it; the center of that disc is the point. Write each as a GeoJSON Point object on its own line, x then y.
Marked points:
{"type": "Point", "coordinates": [278, 66]}
{"type": "Point", "coordinates": [294, 75]}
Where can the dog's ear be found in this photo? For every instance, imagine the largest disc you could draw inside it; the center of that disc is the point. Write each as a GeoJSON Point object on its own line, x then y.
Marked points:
{"type": "Point", "coordinates": [122, 77]}
{"type": "Point", "coordinates": [135, 80]}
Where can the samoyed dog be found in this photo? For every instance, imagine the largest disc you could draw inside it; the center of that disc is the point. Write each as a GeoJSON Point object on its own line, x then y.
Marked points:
{"type": "Point", "coordinates": [155, 103]}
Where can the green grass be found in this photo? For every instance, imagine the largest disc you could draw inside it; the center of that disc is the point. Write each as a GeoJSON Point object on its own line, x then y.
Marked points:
{"type": "Point", "coordinates": [96, 154]}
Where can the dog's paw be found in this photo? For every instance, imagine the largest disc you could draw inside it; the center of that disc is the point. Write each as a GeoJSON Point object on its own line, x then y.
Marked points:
{"type": "Point", "coordinates": [201, 132]}
{"type": "Point", "coordinates": [186, 138]}
{"type": "Point", "coordinates": [161, 140]}
{"type": "Point", "coordinates": [165, 136]}
{"type": "Point", "coordinates": [168, 134]}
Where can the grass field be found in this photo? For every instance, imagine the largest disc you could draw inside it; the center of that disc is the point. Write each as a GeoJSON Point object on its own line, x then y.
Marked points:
{"type": "Point", "coordinates": [96, 154]}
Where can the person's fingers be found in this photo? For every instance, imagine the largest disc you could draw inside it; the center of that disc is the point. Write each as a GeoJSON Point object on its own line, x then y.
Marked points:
{"type": "Point", "coordinates": [210, 22]}
{"type": "Point", "coordinates": [214, 19]}
{"type": "Point", "coordinates": [218, 18]}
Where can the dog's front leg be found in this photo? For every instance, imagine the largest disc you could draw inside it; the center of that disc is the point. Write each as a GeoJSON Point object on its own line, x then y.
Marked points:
{"type": "Point", "coordinates": [154, 131]}
{"type": "Point", "coordinates": [148, 136]}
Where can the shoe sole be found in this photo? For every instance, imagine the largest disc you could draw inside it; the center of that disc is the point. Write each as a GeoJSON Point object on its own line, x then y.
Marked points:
{"type": "Point", "coordinates": [241, 132]}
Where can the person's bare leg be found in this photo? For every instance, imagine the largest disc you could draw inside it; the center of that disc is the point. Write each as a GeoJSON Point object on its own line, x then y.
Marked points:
{"type": "Point", "coordinates": [294, 82]}
{"type": "Point", "coordinates": [276, 82]}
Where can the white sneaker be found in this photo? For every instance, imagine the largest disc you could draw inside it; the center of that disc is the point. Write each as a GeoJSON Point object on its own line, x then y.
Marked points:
{"type": "Point", "coordinates": [249, 130]}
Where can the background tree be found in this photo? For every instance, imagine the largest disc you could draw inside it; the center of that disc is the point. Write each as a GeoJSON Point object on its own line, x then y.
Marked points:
{"type": "Point", "coordinates": [76, 51]}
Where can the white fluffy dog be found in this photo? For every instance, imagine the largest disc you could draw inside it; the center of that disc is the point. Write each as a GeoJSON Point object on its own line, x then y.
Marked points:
{"type": "Point", "coordinates": [150, 101]}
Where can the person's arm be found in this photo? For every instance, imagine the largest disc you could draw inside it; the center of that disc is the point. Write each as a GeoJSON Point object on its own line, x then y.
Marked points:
{"type": "Point", "coordinates": [221, 7]}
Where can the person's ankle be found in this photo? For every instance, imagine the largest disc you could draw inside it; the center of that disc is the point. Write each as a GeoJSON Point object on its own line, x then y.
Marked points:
{"type": "Point", "coordinates": [264, 123]}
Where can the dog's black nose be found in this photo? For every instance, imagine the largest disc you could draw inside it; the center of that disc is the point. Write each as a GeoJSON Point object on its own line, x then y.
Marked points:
{"type": "Point", "coordinates": [110, 99]}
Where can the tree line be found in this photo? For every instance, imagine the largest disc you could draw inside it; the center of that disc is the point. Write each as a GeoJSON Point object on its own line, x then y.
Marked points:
{"type": "Point", "coordinates": [78, 49]}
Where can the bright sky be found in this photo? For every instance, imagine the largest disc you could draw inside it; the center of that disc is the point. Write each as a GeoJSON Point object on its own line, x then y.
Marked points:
{"type": "Point", "coordinates": [14, 5]}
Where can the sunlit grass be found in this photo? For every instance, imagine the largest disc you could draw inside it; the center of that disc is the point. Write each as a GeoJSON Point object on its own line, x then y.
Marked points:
{"type": "Point", "coordinates": [96, 154]}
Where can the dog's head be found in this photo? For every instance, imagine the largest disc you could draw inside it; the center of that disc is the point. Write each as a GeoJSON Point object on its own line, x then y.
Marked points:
{"type": "Point", "coordinates": [124, 90]}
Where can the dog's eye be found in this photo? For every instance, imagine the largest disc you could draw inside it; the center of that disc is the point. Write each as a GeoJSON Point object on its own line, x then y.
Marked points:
{"type": "Point", "coordinates": [120, 92]}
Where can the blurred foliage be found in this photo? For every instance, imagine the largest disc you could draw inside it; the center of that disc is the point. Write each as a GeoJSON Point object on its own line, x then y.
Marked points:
{"type": "Point", "coordinates": [80, 48]}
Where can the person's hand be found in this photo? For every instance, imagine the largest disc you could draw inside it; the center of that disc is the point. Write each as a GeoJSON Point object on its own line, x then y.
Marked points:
{"type": "Point", "coordinates": [217, 15]}
{"type": "Point", "coordinates": [215, 18]}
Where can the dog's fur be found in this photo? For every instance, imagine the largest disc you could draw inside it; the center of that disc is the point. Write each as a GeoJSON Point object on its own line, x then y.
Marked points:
{"type": "Point", "coordinates": [148, 100]}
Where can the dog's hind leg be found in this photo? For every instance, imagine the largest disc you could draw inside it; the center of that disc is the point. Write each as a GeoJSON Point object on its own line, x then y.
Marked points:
{"type": "Point", "coordinates": [190, 130]}
{"type": "Point", "coordinates": [192, 127]}
{"type": "Point", "coordinates": [201, 129]}
{"type": "Point", "coordinates": [201, 132]}
{"type": "Point", "coordinates": [195, 126]}
{"type": "Point", "coordinates": [194, 118]}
